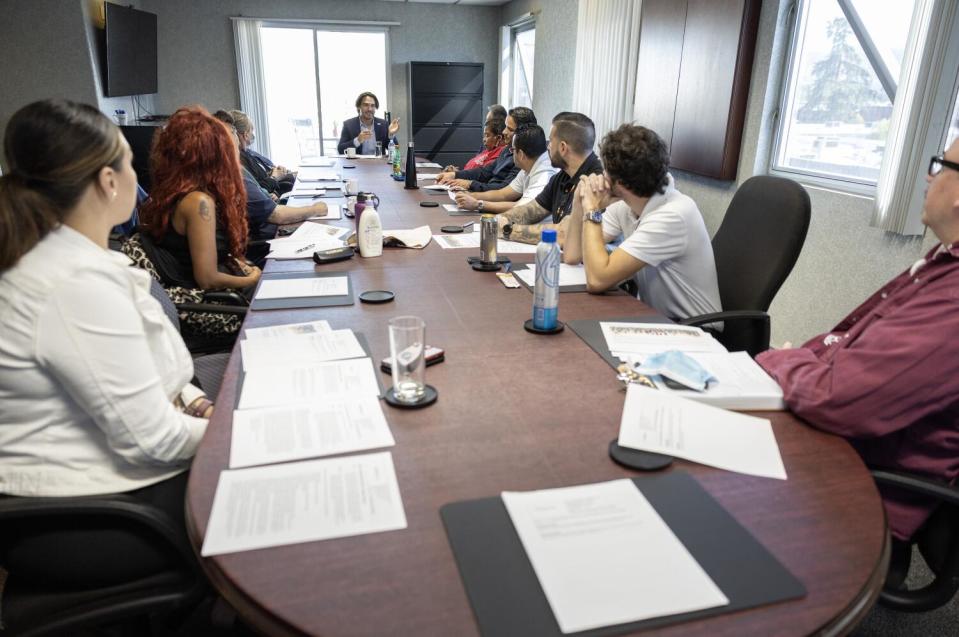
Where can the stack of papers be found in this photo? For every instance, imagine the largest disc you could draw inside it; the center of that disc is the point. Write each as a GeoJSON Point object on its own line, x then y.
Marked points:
{"type": "Point", "coordinates": [304, 502]}
{"type": "Point", "coordinates": [663, 423]}
{"type": "Point", "coordinates": [604, 556]}
{"type": "Point", "coordinates": [303, 287]}
{"type": "Point", "coordinates": [290, 329]}
{"type": "Point", "coordinates": [472, 240]}
{"type": "Point", "coordinates": [300, 349]}
{"type": "Point", "coordinates": [569, 275]}
{"type": "Point", "coordinates": [625, 339]}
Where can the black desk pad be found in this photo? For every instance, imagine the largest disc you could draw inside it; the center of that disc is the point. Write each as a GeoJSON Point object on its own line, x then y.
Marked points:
{"type": "Point", "coordinates": [507, 598]}
{"type": "Point", "coordinates": [562, 288]}
{"type": "Point", "coordinates": [592, 334]}
{"type": "Point", "coordinates": [305, 301]}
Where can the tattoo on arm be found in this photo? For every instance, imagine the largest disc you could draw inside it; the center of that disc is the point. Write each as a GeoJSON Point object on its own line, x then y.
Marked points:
{"type": "Point", "coordinates": [206, 212]}
{"type": "Point", "coordinates": [527, 214]}
{"type": "Point", "coordinates": [526, 234]}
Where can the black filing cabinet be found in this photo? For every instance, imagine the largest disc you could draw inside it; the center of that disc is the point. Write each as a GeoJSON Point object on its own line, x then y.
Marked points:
{"type": "Point", "coordinates": [446, 106]}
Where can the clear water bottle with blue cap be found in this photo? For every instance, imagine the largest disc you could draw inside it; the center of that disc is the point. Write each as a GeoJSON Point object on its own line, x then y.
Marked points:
{"type": "Point", "coordinates": [546, 289]}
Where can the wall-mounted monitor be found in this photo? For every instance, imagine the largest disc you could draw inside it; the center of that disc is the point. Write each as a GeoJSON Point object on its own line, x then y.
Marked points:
{"type": "Point", "coordinates": [131, 51]}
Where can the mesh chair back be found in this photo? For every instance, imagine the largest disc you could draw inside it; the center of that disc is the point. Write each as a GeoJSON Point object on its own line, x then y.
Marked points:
{"type": "Point", "coordinates": [759, 241]}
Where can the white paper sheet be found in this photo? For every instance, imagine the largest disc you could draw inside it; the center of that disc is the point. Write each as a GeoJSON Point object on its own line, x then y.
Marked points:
{"type": "Point", "coordinates": [436, 187]}
{"type": "Point", "coordinates": [323, 162]}
{"type": "Point", "coordinates": [656, 421]}
{"type": "Point", "coordinates": [303, 201]}
{"type": "Point", "coordinates": [296, 432]}
{"type": "Point", "coordinates": [452, 207]}
{"type": "Point", "coordinates": [317, 173]}
{"type": "Point", "coordinates": [604, 556]}
{"type": "Point", "coordinates": [305, 190]}
{"type": "Point", "coordinates": [306, 286]}
{"type": "Point", "coordinates": [304, 502]}
{"type": "Point", "coordinates": [569, 275]}
{"type": "Point", "coordinates": [276, 331]}
{"type": "Point", "coordinates": [652, 338]}
{"type": "Point", "coordinates": [472, 240]}
{"type": "Point", "coordinates": [311, 230]}
{"type": "Point", "coordinates": [300, 349]}
{"type": "Point", "coordinates": [429, 177]}
{"type": "Point", "coordinates": [417, 238]}
{"type": "Point", "coordinates": [277, 386]}
{"type": "Point", "coordinates": [334, 211]}
{"type": "Point", "coordinates": [427, 164]}
{"type": "Point", "coordinates": [285, 249]}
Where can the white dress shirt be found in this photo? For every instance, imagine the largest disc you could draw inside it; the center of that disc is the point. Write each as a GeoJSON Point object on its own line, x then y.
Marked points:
{"type": "Point", "coordinates": [530, 185]}
{"type": "Point", "coordinates": [89, 366]}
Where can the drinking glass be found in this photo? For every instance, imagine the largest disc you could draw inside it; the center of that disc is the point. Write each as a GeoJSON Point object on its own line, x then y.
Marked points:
{"type": "Point", "coordinates": [407, 349]}
{"type": "Point", "coordinates": [379, 149]}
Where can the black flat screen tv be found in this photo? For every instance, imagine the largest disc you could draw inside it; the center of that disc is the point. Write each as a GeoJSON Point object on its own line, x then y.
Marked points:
{"type": "Point", "coordinates": [131, 51]}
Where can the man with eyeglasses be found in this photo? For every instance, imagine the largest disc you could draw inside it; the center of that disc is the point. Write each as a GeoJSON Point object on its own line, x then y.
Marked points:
{"type": "Point", "coordinates": [887, 376]}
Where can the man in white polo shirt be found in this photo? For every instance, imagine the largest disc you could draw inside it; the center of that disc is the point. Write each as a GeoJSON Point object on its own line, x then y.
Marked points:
{"type": "Point", "coordinates": [665, 247]}
{"type": "Point", "coordinates": [529, 153]}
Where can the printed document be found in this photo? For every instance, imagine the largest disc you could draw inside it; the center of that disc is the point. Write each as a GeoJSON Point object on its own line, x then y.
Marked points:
{"type": "Point", "coordinates": [287, 249]}
{"type": "Point", "coordinates": [333, 212]}
{"type": "Point", "coordinates": [604, 556]}
{"type": "Point", "coordinates": [316, 173]}
{"type": "Point", "coordinates": [302, 287]}
{"type": "Point", "coordinates": [295, 432]}
{"type": "Point", "coordinates": [427, 164]}
{"type": "Point", "coordinates": [653, 338]}
{"type": "Point", "coordinates": [300, 349]}
{"type": "Point", "coordinates": [309, 230]}
{"type": "Point", "coordinates": [306, 501]}
{"type": "Point", "coordinates": [285, 385]}
{"type": "Point", "coordinates": [303, 201]}
{"type": "Point", "coordinates": [569, 275]}
{"type": "Point", "coordinates": [417, 238]}
{"type": "Point", "coordinates": [660, 422]}
{"type": "Point", "coordinates": [290, 329]}
{"type": "Point", "coordinates": [472, 240]}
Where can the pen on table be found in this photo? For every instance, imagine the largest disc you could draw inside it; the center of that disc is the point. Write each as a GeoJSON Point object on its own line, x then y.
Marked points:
{"type": "Point", "coordinates": [304, 248]}
{"type": "Point", "coordinates": [467, 225]}
{"type": "Point", "coordinates": [507, 267]}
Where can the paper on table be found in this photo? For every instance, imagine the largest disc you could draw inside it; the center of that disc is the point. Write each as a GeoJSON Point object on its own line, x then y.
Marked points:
{"type": "Point", "coordinates": [436, 187]}
{"type": "Point", "coordinates": [652, 338]}
{"type": "Point", "coordinates": [285, 249]}
{"type": "Point", "coordinates": [472, 240]}
{"type": "Point", "coordinates": [324, 162]}
{"type": "Point", "coordinates": [569, 275]}
{"type": "Point", "coordinates": [427, 164]}
{"type": "Point", "coordinates": [275, 331]}
{"type": "Point", "coordinates": [318, 230]}
{"type": "Point", "coordinates": [303, 202]}
{"type": "Point", "coordinates": [662, 423]}
{"type": "Point", "coordinates": [274, 386]}
{"type": "Point", "coordinates": [303, 502]}
{"type": "Point", "coordinates": [295, 432]}
{"type": "Point", "coordinates": [417, 238]}
{"type": "Point", "coordinates": [333, 212]}
{"type": "Point", "coordinates": [427, 177]}
{"type": "Point", "coordinates": [306, 286]}
{"type": "Point", "coordinates": [317, 174]}
{"type": "Point", "coordinates": [452, 207]}
{"type": "Point", "coordinates": [741, 383]}
{"type": "Point", "coordinates": [604, 556]}
{"type": "Point", "coordinates": [305, 190]}
{"type": "Point", "coordinates": [300, 349]}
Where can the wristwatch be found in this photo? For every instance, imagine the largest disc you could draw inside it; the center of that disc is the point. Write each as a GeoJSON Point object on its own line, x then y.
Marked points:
{"type": "Point", "coordinates": [507, 229]}
{"type": "Point", "coordinates": [595, 216]}
{"type": "Point", "coordinates": [480, 205]}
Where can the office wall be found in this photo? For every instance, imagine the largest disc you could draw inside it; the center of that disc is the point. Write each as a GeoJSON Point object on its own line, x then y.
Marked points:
{"type": "Point", "coordinates": [196, 51]}
{"type": "Point", "coordinates": [555, 55]}
{"type": "Point", "coordinates": [43, 53]}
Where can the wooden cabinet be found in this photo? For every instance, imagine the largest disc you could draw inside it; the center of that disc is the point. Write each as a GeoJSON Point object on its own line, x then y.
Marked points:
{"type": "Point", "coordinates": [446, 107]}
{"type": "Point", "coordinates": [695, 61]}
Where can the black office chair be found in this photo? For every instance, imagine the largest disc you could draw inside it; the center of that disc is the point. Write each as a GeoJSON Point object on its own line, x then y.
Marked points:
{"type": "Point", "coordinates": [755, 249]}
{"type": "Point", "coordinates": [80, 562]}
{"type": "Point", "coordinates": [938, 542]}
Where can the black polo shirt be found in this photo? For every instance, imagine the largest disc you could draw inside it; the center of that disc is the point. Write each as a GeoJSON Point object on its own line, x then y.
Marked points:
{"type": "Point", "coordinates": [557, 196]}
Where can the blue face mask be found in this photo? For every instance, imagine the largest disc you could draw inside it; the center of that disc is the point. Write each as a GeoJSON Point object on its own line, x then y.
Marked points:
{"type": "Point", "coordinates": [677, 367]}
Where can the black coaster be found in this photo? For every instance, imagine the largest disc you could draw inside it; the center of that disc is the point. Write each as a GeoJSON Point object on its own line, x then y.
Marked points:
{"type": "Point", "coordinates": [429, 397]}
{"type": "Point", "coordinates": [500, 260]}
{"type": "Point", "coordinates": [636, 459]}
{"type": "Point", "coordinates": [429, 204]}
{"type": "Point", "coordinates": [479, 266]}
{"type": "Point", "coordinates": [348, 166]}
{"type": "Point", "coordinates": [452, 229]}
{"type": "Point", "coordinates": [377, 296]}
{"type": "Point", "coordinates": [528, 326]}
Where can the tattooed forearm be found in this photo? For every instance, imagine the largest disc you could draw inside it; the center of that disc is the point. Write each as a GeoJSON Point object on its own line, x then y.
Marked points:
{"type": "Point", "coordinates": [527, 214]}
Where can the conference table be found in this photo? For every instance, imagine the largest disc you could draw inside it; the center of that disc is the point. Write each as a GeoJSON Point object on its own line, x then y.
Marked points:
{"type": "Point", "coordinates": [517, 411]}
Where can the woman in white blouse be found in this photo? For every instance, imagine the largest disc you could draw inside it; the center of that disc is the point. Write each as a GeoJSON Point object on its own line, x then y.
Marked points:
{"type": "Point", "coordinates": [94, 379]}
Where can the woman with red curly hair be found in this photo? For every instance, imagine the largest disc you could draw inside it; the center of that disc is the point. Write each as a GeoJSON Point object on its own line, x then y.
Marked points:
{"type": "Point", "coordinates": [196, 213]}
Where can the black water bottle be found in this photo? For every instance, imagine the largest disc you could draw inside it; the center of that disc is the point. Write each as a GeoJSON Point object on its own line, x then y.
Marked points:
{"type": "Point", "coordinates": [410, 169]}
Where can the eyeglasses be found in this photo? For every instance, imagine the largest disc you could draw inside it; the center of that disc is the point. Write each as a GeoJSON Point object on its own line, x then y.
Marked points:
{"type": "Point", "coordinates": [937, 163]}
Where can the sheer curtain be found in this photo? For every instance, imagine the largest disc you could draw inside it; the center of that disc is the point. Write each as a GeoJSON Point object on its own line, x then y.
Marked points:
{"type": "Point", "coordinates": [916, 125]}
{"type": "Point", "coordinates": [249, 70]}
{"type": "Point", "coordinates": [607, 53]}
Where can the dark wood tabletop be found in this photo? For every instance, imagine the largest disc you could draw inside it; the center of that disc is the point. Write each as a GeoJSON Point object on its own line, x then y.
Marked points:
{"type": "Point", "coordinates": [517, 411]}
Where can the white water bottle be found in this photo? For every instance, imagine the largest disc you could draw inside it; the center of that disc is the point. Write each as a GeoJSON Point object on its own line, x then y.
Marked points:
{"type": "Point", "coordinates": [369, 233]}
{"type": "Point", "coordinates": [546, 289]}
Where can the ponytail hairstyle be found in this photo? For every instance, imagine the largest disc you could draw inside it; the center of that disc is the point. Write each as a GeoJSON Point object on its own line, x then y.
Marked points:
{"type": "Point", "coordinates": [195, 152]}
{"type": "Point", "coordinates": [55, 149]}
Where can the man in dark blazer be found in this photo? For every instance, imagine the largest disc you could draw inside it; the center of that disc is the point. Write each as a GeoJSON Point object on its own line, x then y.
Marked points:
{"type": "Point", "coordinates": [364, 131]}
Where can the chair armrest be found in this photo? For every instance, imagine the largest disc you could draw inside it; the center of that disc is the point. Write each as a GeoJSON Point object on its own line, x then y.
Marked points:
{"type": "Point", "coordinates": [225, 296]}
{"type": "Point", "coordinates": [732, 315]}
{"type": "Point", "coordinates": [923, 486]}
{"type": "Point", "coordinates": [211, 308]}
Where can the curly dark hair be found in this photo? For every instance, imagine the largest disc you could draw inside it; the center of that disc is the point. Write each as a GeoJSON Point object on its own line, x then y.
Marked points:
{"type": "Point", "coordinates": [365, 94]}
{"type": "Point", "coordinates": [637, 158]}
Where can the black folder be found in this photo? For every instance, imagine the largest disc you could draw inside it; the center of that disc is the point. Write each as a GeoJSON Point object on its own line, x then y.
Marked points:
{"type": "Point", "coordinates": [303, 301]}
{"type": "Point", "coordinates": [592, 334]}
{"type": "Point", "coordinates": [507, 598]}
{"type": "Point", "coordinates": [562, 288]}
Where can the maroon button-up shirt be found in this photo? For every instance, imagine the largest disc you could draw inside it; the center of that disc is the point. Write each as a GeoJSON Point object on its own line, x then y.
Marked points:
{"type": "Point", "coordinates": [887, 378]}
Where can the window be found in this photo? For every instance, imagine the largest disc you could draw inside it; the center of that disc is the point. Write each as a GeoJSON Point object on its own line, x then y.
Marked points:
{"type": "Point", "coordinates": [839, 89]}
{"type": "Point", "coordinates": [303, 68]}
{"type": "Point", "coordinates": [953, 133]}
{"type": "Point", "coordinates": [516, 81]}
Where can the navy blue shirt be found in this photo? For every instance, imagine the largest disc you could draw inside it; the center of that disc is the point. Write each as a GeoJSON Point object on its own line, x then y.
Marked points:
{"type": "Point", "coordinates": [492, 176]}
{"type": "Point", "coordinates": [557, 196]}
{"type": "Point", "coordinates": [259, 207]}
